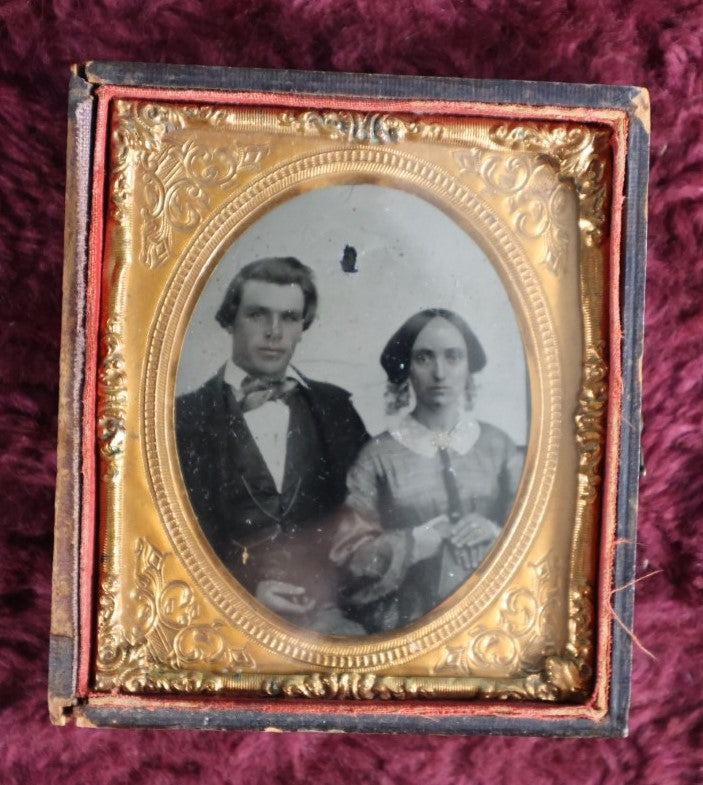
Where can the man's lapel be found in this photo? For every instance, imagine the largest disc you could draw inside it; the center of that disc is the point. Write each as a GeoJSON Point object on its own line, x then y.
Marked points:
{"type": "Point", "coordinates": [322, 413]}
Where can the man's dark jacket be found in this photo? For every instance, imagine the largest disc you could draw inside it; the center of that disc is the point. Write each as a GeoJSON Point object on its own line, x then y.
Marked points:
{"type": "Point", "coordinates": [287, 535]}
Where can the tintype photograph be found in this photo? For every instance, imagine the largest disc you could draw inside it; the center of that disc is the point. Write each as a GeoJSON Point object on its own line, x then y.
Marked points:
{"type": "Point", "coordinates": [351, 408]}
{"type": "Point", "coordinates": [352, 403]}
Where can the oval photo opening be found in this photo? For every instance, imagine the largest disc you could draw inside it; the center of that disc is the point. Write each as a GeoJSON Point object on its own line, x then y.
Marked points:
{"type": "Point", "coordinates": [352, 409]}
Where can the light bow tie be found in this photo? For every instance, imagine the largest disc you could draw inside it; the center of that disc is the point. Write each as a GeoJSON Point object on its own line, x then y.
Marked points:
{"type": "Point", "coordinates": [255, 392]}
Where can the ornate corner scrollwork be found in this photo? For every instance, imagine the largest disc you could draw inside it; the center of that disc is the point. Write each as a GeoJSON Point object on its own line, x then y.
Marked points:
{"type": "Point", "coordinates": [522, 639]}
{"type": "Point", "coordinates": [374, 128]}
{"type": "Point", "coordinates": [179, 183]}
{"type": "Point", "coordinates": [537, 202]}
{"type": "Point", "coordinates": [578, 155]}
{"type": "Point", "coordinates": [181, 180]}
{"type": "Point", "coordinates": [161, 645]}
{"type": "Point", "coordinates": [564, 676]}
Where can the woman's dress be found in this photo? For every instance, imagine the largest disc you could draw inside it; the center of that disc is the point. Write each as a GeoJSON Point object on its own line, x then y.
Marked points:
{"type": "Point", "coordinates": [398, 482]}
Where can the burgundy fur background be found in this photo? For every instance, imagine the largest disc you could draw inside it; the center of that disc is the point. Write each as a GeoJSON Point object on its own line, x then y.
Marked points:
{"type": "Point", "coordinates": [655, 43]}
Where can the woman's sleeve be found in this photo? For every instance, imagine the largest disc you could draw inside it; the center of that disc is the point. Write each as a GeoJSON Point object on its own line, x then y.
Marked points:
{"type": "Point", "coordinates": [374, 559]}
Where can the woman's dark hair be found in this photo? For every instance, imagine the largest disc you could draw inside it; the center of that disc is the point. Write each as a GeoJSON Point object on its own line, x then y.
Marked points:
{"type": "Point", "coordinates": [396, 356]}
{"type": "Point", "coordinates": [281, 270]}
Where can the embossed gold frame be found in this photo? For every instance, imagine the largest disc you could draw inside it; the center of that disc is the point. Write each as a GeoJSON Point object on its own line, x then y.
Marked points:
{"type": "Point", "coordinates": [181, 170]}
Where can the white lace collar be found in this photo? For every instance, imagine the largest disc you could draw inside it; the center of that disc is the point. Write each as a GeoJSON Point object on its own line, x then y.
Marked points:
{"type": "Point", "coordinates": [416, 437]}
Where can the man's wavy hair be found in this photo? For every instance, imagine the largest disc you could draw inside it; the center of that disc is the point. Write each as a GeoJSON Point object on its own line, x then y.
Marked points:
{"type": "Point", "coordinates": [282, 270]}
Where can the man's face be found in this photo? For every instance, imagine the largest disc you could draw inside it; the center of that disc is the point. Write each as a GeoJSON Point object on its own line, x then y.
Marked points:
{"type": "Point", "coordinates": [267, 328]}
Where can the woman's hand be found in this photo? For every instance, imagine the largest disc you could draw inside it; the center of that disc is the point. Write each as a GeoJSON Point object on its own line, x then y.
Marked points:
{"type": "Point", "coordinates": [469, 532]}
{"type": "Point", "coordinates": [473, 529]}
{"type": "Point", "coordinates": [283, 597]}
{"type": "Point", "coordinates": [428, 537]}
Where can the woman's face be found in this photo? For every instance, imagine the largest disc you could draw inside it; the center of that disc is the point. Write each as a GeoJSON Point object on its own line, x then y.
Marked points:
{"type": "Point", "coordinates": [439, 368]}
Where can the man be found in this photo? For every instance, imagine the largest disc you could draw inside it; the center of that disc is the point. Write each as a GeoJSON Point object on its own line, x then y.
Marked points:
{"type": "Point", "coordinates": [265, 451]}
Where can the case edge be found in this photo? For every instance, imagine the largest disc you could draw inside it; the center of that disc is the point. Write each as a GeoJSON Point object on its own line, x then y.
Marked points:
{"type": "Point", "coordinates": [64, 633]}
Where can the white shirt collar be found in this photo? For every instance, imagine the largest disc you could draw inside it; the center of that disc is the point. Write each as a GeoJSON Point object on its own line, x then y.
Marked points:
{"type": "Point", "coordinates": [416, 437]}
{"type": "Point", "coordinates": [234, 375]}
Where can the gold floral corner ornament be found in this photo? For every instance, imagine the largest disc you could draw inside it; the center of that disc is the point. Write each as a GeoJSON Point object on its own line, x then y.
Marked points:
{"type": "Point", "coordinates": [536, 200]}
{"type": "Point", "coordinates": [544, 165]}
{"type": "Point", "coordinates": [179, 181]}
{"type": "Point", "coordinates": [165, 646]}
{"type": "Point", "coordinates": [578, 154]}
{"type": "Point", "coordinates": [523, 635]}
{"type": "Point", "coordinates": [520, 642]}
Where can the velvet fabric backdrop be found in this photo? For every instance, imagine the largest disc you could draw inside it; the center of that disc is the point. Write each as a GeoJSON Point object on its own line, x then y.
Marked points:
{"type": "Point", "coordinates": [655, 43]}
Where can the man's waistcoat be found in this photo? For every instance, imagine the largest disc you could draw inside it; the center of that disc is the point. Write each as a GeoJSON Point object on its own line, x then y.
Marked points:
{"type": "Point", "coordinates": [256, 531]}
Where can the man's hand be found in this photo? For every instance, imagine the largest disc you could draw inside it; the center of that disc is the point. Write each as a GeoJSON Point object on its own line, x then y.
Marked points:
{"type": "Point", "coordinates": [283, 597]}
{"type": "Point", "coordinates": [473, 529]}
{"type": "Point", "coordinates": [428, 537]}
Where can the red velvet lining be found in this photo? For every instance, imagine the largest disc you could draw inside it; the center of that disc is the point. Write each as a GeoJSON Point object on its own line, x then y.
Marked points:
{"type": "Point", "coordinates": [88, 571]}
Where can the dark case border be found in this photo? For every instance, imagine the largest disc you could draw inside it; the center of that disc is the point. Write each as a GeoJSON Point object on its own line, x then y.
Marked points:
{"type": "Point", "coordinates": [65, 638]}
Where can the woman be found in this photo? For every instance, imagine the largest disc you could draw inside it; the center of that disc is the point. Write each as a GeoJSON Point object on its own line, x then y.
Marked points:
{"type": "Point", "coordinates": [426, 499]}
